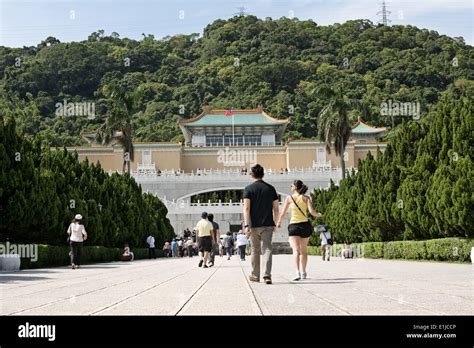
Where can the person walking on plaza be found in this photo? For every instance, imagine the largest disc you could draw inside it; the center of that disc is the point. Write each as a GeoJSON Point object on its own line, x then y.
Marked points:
{"type": "Point", "coordinates": [242, 244]}
{"type": "Point", "coordinates": [325, 236]}
{"type": "Point", "coordinates": [203, 235]}
{"type": "Point", "coordinates": [260, 212]}
{"type": "Point", "coordinates": [228, 244]}
{"type": "Point", "coordinates": [299, 229]}
{"type": "Point", "coordinates": [77, 235]}
{"type": "Point", "coordinates": [167, 249]}
{"type": "Point", "coordinates": [180, 247]}
{"type": "Point", "coordinates": [174, 248]}
{"type": "Point", "coordinates": [215, 239]}
{"type": "Point", "coordinates": [189, 247]}
{"type": "Point", "coordinates": [151, 246]}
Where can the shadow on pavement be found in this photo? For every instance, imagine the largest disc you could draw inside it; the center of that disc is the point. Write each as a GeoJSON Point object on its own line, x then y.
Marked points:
{"type": "Point", "coordinates": [97, 267]}
{"type": "Point", "coordinates": [323, 281]}
{"type": "Point", "coordinates": [341, 279]}
{"type": "Point", "coordinates": [9, 279]}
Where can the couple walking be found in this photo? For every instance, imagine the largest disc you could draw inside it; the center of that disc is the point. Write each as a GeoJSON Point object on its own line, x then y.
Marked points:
{"type": "Point", "coordinates": [261, 208]}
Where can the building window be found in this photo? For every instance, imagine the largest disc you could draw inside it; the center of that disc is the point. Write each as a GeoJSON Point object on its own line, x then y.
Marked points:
{"type": "Point", "coordinates": [236, 140]}
{"type": "Point", "coordinates": [252, 140]}
{"type": "Point", "coordinates": [146, 157]}
{"type": "Point", "coordinates": [214, 140]}
{"type": "Point", "coordinates": [321, 155]}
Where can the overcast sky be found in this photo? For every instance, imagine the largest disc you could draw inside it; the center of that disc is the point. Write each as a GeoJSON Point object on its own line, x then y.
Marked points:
{"type": "Point", "coordinates": [26, 23]}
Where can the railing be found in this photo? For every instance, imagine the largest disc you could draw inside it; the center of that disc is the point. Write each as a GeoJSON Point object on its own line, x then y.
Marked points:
{"type": "Point", "coordinates": [236, 174]}
{"type": "Point", "coordinates": [146, 169]}
{"type": "Point", "coordinates": [238, 144]}
{"type": "Point", "coordinates": [188, 207]}
{"type": "Point", "coordinates": [322, 164]}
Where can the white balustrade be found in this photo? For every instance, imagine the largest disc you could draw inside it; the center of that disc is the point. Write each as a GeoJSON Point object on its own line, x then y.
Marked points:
{"type": "Point", "coordinates": [236, 174]}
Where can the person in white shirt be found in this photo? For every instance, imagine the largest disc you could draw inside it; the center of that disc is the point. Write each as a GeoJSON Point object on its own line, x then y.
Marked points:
{"type": "Point", "coordinates": [242, 244]}
{"type": "Point", "coordinates": [189, 247]}
{"type": "Point", "coordinates": [180, 248]}
{"type": "Point", "coordinates": [325, 246]}
{"type": "Point", "coordinates": [77, 235]}
{"type": "Point", "coordinates": [151, 247]}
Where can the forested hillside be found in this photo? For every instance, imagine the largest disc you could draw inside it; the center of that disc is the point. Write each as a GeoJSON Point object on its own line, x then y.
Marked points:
{"type": "Point", "coordinates": [238, 63]}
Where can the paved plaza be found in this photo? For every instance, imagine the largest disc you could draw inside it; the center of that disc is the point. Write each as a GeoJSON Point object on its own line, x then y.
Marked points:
{"type": "Point", "coordinates": [179, 287]}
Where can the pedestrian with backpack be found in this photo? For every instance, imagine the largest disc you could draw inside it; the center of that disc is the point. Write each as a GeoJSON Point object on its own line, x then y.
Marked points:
{"type": "Point", "coordinates": [229, 245]}
{"type": "Point", "coordinates": [326, 241]}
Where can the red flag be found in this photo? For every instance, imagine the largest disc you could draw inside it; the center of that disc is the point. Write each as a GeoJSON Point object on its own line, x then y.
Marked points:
{"type": "Point", "coordinates": [229, 112]}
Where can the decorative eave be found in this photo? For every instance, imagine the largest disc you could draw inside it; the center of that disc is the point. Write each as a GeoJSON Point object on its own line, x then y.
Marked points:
{"type": "Point", "coordinates": [360, 127]}
{"type": "Point", "coordinates": [189, 126]}
{"type": "Point", "coordinates": [207, 111]}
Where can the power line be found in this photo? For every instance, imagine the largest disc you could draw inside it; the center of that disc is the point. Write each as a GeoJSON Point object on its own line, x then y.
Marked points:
{"type": "Point", "coordinates": [384, 14]}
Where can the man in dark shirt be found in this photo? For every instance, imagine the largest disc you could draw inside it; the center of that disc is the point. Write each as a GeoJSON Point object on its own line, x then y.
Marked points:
{"type": "Point", "coordinates": [215, 239]}
{"type": "Point", "coordinates": [260, 213]}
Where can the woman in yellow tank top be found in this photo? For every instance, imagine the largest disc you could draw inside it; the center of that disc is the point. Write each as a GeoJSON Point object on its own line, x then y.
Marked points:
{"type": "Point", "coordinates": [299, 229]}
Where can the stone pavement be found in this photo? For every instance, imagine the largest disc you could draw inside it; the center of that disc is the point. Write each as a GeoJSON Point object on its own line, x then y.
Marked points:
{"type": "Point", "coordinates": [179, 287]}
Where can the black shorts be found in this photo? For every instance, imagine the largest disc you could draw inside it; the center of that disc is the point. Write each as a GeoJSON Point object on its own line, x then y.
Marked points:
{"type": "Point", "coordinates": [205, 243]}
{"type": "Point", "coordinates": [301, 229]}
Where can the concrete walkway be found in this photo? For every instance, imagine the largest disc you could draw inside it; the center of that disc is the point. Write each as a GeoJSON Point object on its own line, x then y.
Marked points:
{"type": "Point", "coordinates": [179, 287]}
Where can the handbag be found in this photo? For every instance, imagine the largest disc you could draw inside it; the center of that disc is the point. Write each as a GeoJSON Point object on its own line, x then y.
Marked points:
{"type": "Point", "coordinates": [69, 234]}
{"type": "Point", "coordinates": [329, 240]}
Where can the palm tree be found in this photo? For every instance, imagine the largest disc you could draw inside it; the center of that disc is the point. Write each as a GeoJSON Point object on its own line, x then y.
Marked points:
{"type": "Point", "coordinates": [118, 124]}
{"type": "Point", "coordinates": [334, 124]}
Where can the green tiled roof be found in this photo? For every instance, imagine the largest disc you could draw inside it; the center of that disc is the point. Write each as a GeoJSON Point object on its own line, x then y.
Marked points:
{"type": "Point", "coordinates": [364, 129]}
{"type": "Point", "coordinates": [239, 120]}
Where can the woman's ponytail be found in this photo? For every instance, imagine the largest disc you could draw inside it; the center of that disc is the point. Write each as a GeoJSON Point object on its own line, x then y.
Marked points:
{"type": "Point", "coordinates": [300, 187]}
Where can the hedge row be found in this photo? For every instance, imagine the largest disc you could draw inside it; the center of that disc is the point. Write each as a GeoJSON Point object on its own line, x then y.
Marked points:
{"type": "Point", "coordinates": [55, 256]}
{"type": "Point", "coordinates": [443, 249]}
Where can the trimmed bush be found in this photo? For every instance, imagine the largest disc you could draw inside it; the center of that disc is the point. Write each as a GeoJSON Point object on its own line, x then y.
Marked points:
{"type": "Point", "coordinates": [449, 249]}
{"type": "Point", "coordinates": [414, 250]}
{"type": "Point", "coordinates": [373, 250]}
{"type": "Point", "coordinates": [444, 249]}
{"type": "Point", "coordinates": [314, 250]}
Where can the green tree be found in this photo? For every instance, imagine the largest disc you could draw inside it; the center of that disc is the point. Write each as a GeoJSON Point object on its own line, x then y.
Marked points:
{"type": "Point", "coordinates": [334, 121]}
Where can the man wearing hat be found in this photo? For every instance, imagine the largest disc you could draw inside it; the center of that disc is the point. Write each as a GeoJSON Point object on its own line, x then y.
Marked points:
{"type": "Point", "coordinates": [77, 235]}
{"type": "Point", "coordinates": [203, 235]}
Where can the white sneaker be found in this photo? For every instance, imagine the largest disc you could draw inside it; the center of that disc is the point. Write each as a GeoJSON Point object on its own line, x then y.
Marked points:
{"type": "Point", "coordinates": [297, 277]}
{"type": "Point", "coordinates": [303, 275]}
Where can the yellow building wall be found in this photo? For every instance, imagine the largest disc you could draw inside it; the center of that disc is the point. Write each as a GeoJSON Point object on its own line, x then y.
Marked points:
{"type": "Point", "coordinates": [216, 159]}
{"type": "Point", "coordinates": [108, 161]}
{"type": "Point", "coordinates": [192, 160]}
{"type": "Point", "coordinates": [300, 156]}
{"type": "Point", "coordinates": [273, 161]}
{"type": "Point", "coordinates": [168, 158]}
